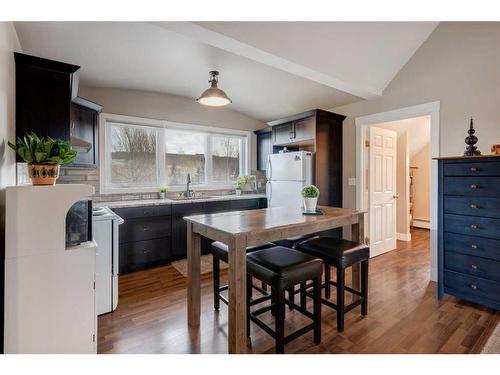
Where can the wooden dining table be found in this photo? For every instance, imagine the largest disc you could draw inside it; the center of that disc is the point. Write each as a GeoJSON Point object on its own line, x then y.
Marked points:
{"type": "Point", "coordinates": [240, 229]}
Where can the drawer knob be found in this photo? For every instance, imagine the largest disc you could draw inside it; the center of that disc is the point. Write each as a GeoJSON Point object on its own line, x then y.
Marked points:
{"type": "Point", "coordinates": [145, 228]}
{"type": "Point", "coordinates": [474, 246]}
{"type": "Point", "coordinates": [145, 251]}
{"type": "Point", "coordinates": [473, 286]}
{"type": "Point", "coordinates": [473, 206]}
{"type": "Point", "coordinates": [473, 266]}
{"type": "Point", "coordinates": [473, 226]}
{"type": "Point", "coordinates": [473, 186]}
{"type": "Point", "coordinates": [473, 169]}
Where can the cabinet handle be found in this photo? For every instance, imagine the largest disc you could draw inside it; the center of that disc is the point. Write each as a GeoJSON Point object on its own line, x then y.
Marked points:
{"type": "Point", "coordinates": [474, 246]}
{"type": "Point", "coordinates": [145, 251]}
{"type": "Point", "coordinates": [473, 169]}
{"type": "Point", "coordinates": [473, 266]}
{"type": "Point", "coordinates": [473, 286]}
{"type": "Point", "coordinates": [145, 229]}
{"type": "Point", "coordinates": [473, 186]}
{"type": "Point", "coordinates": [473, 226]}
{"type": "Point", "coordinates": [473, 206]}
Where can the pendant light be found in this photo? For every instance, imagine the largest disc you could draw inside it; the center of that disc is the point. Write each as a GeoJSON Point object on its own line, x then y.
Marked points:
{"type": "Point", "coordinates": [213, 96]}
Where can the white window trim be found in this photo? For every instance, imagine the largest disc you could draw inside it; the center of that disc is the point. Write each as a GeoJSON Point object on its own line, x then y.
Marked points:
{"type": "Point", "coordinates": [105, 163]}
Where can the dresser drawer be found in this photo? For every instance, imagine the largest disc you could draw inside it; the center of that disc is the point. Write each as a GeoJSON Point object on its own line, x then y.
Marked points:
{"type": "Point", "coordinates": [472, 169]}
{"type": "Point", "coordinates": [144, 211]}
{"type": "Point", "coordinates": [473, 226]}
{"type": "Point", "coordinates": [472, 186]}
{"type": "Point", "coordinates": [471, 245]}
{"type": "Point", "coordinates": [474, 206]}
{"type": "Point", "coordinates": [472, 265]}
{"type": "Point", "coordinates": [145, 228]}
{"type": "Point", "coordinates": [141, 254]}
{"type": "Point", "coordinates": [472, 288]}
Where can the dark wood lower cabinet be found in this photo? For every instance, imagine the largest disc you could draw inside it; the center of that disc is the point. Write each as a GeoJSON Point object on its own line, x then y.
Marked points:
{"type": "Point", "coordinates": [155, 235]}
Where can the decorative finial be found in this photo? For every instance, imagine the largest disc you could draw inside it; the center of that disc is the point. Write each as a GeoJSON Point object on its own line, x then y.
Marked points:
{"type": "Point", "coordinates": [470, 141]}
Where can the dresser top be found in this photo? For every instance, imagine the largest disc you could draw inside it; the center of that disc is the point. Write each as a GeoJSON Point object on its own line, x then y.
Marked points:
{"type": "Point", "coordinates": [467, 157]}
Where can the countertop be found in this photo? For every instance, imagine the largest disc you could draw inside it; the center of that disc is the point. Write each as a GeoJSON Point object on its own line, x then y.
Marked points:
{"type": "Point", "coordinates": [153, 202]}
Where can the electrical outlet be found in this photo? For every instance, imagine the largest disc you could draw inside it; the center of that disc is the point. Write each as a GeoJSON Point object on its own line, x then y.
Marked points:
{"type": "Point", "coordinates": [352, 181]}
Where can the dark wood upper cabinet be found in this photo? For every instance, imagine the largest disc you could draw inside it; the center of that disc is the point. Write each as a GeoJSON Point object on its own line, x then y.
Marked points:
{"type": "Point", "coordinates": [264, 147]}
{"type": "Point", "coordinates": [47, 104]}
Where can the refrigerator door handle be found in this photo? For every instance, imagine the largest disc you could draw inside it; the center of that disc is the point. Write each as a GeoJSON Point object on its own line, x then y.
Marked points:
{"type": "Point", "coordinates": [269, 168]}
{"type": "Point", "coordinates": [269, 193]}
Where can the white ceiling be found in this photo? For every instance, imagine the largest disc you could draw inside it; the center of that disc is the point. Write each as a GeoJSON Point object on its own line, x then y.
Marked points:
{"type": "Point", "coordinates": [269, 70]}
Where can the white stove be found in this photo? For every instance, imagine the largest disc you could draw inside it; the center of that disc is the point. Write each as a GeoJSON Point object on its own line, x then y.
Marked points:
{"type": "Point", "coordinates": [105, 230]}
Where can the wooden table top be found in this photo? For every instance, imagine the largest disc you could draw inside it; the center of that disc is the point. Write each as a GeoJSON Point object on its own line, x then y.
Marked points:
{"type": "Point", "coordinates": [272, 219]}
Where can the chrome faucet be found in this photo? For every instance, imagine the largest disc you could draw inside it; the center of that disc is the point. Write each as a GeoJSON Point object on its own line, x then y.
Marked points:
{"type": "Point", "coordinates": [188, 182]}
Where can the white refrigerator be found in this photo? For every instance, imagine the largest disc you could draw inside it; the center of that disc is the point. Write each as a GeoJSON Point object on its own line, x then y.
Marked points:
{"type": "Point", "coordinates": [287, 173]}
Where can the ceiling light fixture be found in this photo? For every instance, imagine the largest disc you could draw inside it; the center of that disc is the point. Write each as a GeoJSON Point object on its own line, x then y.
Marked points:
{"type": "Point", "coordinates": [213, 96]}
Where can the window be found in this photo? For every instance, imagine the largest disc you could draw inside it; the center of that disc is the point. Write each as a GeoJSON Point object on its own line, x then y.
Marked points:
{"type": "Point", "coordinates": [142, 155]}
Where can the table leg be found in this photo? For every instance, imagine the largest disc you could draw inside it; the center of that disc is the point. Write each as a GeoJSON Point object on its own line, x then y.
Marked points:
{"type": "Point", "coordinates": [193, 292]}
{"type": "Point", "coordinates": [237, 295]}
{"type": "Point", "coordinates": [357, 235]}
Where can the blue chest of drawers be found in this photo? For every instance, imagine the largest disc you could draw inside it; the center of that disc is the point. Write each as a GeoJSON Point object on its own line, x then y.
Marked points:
{"type": "Point", "coordinates": [469, 229]}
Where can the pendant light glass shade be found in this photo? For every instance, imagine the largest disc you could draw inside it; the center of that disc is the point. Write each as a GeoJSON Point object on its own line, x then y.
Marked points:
{"type": "Point", "coordinates": [213, 96]}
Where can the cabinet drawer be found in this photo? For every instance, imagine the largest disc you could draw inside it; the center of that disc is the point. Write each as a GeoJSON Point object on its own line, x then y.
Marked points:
{"type": "Point", "coordinates": [145, 228]}
{"type": "Point", "coordinates": [473, 226]}
{"type": "Point", "coordinates": [142, 254]}
{"type": "Point", "coordinates": [472, 169]}
{"type": "Point", "coordinates": [472, 186]}
{"type": "Point", "coordinates": [470, 245]}
{"type": "Point", "coordinates": [473, 288]}
{"type": "Point", "coordinates": [474, 206]}
{"type": "Point", "coordinates": [472, 265]}
{"type": "Point", "coordinates": [144, 211]}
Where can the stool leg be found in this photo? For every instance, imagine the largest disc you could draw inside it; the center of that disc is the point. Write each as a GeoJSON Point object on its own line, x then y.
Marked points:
{"type": "Point", "coordinates": [249, 299]}
{"type": "Point", "coordinates": [328, 278]}
{"type": "Point", "coordinates": [340, 299]}
{"type": "Point", "coordinates": [303, 301]}
{"type": "Point", "coordinates": [317, 310]}
{"type": "Point", "coordinates": [364, 287]}
{"type": "Point", "coordinates": [280, 321]}
{"type": "Point", "coordinates": [291, 295]}
{"type": "Point", "coordinates": [216, 276]}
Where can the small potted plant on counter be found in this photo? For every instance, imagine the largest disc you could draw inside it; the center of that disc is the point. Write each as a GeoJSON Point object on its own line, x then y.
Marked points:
{"type": "Point", "coordinates": [163, 192]}
{"type": "Point", "coordinates": [238, 187]}
{"type": "Point", "coordinates": [310, 193]}
{"type": "Point", "coordinates": [44, 157]}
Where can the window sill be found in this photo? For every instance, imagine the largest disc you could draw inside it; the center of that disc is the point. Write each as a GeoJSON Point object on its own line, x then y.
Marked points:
{"type": "Point", "coordinates": [144, 190]}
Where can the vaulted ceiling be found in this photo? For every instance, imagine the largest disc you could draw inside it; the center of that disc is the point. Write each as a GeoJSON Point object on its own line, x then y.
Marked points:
{"type": "Point", "coordinates": [269, 69]}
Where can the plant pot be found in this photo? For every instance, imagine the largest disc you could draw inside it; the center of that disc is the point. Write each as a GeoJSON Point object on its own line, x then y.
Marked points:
{"type": "Point", "coordinates": [43, 174]}
{"type": "Point", "coordinates": [310, 204]}
{"type": "Point", "coordinates": [162, 195]}
{"type": "Point", "coordinates": [238, 192]}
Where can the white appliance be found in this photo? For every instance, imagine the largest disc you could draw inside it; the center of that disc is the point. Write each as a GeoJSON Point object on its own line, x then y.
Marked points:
{"type": "Point", "coordinates": [105, 229]}
{"type": "Point", "coordinates": [287, 173]}
{"type": "Point", "coordinates": [49, 288]}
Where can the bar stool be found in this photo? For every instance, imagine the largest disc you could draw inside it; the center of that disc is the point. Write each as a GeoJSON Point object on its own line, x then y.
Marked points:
{"type": "Point", "coordinates": [220, 253]}
{"type": "Point", "coordinates": [340, 254]}
{"type": "Point", "coordinates": [283, 268]}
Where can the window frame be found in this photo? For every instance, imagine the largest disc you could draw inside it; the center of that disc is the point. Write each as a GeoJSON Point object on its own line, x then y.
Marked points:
{"type": "Point", "coordinates": [107, 119]}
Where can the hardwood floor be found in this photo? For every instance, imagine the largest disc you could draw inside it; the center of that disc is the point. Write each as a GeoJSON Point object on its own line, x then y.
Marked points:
{"type": "Point", "coordinates": [404, 315]}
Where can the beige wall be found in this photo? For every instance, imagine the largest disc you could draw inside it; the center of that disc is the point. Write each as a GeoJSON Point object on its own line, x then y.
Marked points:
{"type": "Point", "coordinates": [421, 183]}
{"type": "Point", "coordinates": [459, 65]}
{"type": "Point", "coordinates": [172, 108]}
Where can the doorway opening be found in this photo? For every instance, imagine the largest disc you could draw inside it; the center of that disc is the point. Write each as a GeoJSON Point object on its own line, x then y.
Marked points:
{"type": "Point", "coordinates": [395, 196]}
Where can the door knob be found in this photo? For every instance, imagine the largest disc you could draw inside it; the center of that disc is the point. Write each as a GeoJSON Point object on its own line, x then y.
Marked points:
{"type": "Point", "coordinates": [395, 196]}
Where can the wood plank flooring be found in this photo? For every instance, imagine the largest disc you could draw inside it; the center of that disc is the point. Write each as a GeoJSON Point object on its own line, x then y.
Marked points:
{"type": "Point", "coordinates": [404, 315]}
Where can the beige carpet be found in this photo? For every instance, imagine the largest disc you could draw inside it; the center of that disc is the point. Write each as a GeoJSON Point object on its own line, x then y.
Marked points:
{"type": "Point", "coordinates": [493, 344]}
{"type": "Point", "coordinates": [205, 265]}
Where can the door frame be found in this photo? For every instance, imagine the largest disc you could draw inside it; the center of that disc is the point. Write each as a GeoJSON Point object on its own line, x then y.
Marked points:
{"type": "Point", "coordinates": [427, 109]}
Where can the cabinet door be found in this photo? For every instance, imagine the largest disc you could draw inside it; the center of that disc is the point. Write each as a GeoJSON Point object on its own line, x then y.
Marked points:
{"type": "Point", "coordinates": [264, 148]}
{"type": "Point", "coordinates": [179, 226]}
{"type": "Point", "coordinates": [283, 134]}
{"type": "Point", "coordinates": [83, 135]}
{"type": "Point", "coordinates": [305, 129]}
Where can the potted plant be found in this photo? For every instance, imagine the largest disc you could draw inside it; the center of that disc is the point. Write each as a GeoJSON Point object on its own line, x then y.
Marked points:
{"type": "Point", "coordinates": [44, 157]}
{"type": "Point", "coordinates": [310, 193]}
{"type": "Point", "coordinates": [163, 192]}
{"type": "Point", "coordinates": [238, 187]}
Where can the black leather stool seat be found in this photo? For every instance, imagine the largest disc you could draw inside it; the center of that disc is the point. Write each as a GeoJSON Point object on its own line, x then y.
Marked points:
{"type": "Point", "coordinates": [221, 250]}
{"type": "Point", "coordinates": [283, 267]}
{"type": "Point", "coordinates": [336, 251]}
{"type": "Point", "coordinates": [292, 242]}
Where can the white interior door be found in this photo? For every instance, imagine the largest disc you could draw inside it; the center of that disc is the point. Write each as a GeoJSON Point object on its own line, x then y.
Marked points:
{"type": "Point", "coordinates": [382, 190]}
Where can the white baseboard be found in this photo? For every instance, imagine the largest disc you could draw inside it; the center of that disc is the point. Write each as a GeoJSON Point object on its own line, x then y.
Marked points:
{"type": "Point", "coordinates": [403, 236]}
{"type": "Point", "coordinates": [422, 224]}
